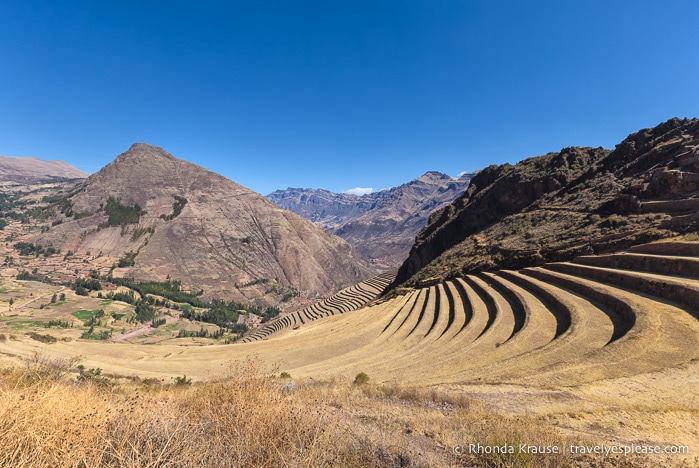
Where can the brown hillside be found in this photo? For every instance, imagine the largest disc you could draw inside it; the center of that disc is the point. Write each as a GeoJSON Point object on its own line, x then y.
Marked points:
{"type": "Point", "coordinates": [30, 169]}
{"type": "Point", "coordinates": [223, 238]}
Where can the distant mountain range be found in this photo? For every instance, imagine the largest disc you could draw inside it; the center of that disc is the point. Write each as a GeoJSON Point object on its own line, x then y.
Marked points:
{"type": "Point", "coordinates": [30, 169]}
{"type": "Point", "coordinates": [381, 226]}
{"type": "Point", "coordinates": [165, 217]}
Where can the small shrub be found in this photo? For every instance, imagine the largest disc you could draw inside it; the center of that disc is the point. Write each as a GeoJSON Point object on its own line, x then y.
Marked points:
{"type": "Point", "coordinates": [182, 381]}
{"type": "Point", "coordinates": [57, 323]}
{"type": "Point", "coordinates": [82, 214]}
{"type": "Point", "coordinates": [43, 338]}
{"type": "Point", "coordinates": [284, 375]}
{"type": "Point", "coordinates": [157, 323]}
{"type": "Point", "coordinates": [39, 368]}
{"type": "Point", "coordinates": [361, 378]}
{"type": "Point", "coordinates": [614, 221]}
{"type": "Point", "coordinates": [93, 375]}
{"type": "Point", "coordinates": [128, 260]}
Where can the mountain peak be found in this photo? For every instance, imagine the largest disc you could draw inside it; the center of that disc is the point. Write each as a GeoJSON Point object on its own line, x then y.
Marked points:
{"type": "Point", "coordinates": [205, 230]}
{"type": "Point", "coordinates": [139, 145]}
{"type": "Point", "coordinates": [434, 176]}
{"type": "Point", "coordinates": [144, 151]}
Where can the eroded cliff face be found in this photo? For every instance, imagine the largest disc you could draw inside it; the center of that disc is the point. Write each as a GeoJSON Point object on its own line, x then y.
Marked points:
{"type": "Point", "coordinates": [552, 207]}
{"type": "Point", "coordinates": [222, 238]}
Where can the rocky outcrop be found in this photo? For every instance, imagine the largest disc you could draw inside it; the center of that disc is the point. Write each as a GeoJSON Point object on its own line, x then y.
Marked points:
{"type": "Point", "coordinates": [556, 206]}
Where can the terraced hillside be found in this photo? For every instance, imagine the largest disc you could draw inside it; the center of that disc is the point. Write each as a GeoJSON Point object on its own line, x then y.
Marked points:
{"type": "Point", "coordinates": [348, 299]}
{"type": "Point", "coordinates": [598, 317]}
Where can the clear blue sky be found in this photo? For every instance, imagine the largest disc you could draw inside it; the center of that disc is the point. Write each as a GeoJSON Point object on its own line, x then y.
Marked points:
{"type": "Point", "coordinates": [339, 94]}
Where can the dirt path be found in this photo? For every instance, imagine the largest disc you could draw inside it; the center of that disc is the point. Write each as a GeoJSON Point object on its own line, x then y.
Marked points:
{"type": "Point", "coordinates": [140, 331]}
{"type": "Point", "coordinates": [35, 299]}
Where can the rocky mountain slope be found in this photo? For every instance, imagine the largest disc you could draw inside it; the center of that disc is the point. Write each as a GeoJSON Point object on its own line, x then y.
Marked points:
{"type": "Point", "coordinates": [30, 169]}
{"type": "Point", "coordinates": [556, 206]}
{"type": "Point", "coordinates": [162, 216]}
{"type": "Point", "coordinates": [328, 209]}
{"type": "Point", "coordinates": [382, 225]}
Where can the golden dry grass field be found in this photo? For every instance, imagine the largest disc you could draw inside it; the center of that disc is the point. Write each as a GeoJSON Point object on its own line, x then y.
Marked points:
{"type": "Point", "coordinates": [601, 351]}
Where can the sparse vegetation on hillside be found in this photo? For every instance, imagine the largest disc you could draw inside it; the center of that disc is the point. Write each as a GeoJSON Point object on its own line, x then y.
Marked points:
{"type": "Point", "coordinates": [361, 378]}
{"type": "Point", "coordinates": [140, 231]}
{"type": "Point", "coordinates": [28, 248]}
{"type": "Point", "coordinates": [9, 202]}
{"type": "Point", "coordinates": [91, 334]}
{"type": "Point", "coordinates": [225, 314]}
{"type": "Point", "coordinates": [121, 215]}
{"type": "Point", "coordinates": [158, 322]}
{"type": "Point", "coordinates": [124, 296]}
{"type": "Point", "coordinates": [26, 276]}
{"type": "Point", "coordinates": [83, 286]}
{"type": "Point", "coordinates": [177, 207]}
{"type": "Point", "coordinates": [81, 215]}
{"type": "Point", "coordinates": [270, 313]}
{"type": "Point", "coordinates": [128, 260]}
{"type": "Point", "coordinates": [144, 311]}
{"type": "Point", "coordinates": [169, 289]}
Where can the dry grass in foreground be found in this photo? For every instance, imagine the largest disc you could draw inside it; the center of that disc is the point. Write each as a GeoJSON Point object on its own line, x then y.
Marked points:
{"type": "Point", "coordinates": [50, 418]}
